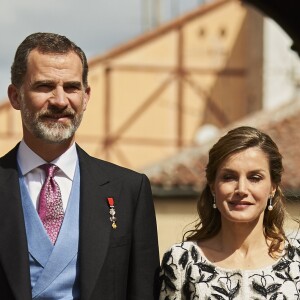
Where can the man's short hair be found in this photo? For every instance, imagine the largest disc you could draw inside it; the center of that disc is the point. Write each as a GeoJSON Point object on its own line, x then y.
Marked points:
{"type": "Point", "coordinates": [46, 43]}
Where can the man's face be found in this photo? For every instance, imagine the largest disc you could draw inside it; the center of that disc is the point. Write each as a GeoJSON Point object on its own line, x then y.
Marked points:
{"type": "Point", "coordinates": [52, 98]}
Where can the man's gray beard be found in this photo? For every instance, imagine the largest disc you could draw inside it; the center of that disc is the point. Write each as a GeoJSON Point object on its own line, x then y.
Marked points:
{"type": "Point", "coordinates": [51, 132]}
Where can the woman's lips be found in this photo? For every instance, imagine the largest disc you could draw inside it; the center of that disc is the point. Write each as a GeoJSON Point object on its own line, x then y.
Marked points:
{"type": "Point", "coordinates": [240, 204]}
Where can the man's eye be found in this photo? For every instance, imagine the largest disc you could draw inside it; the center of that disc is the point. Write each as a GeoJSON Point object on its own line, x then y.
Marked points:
{"type": "Point", "coordinates": [71, 88]}
{"type": "Point", "coordinates": [43, 88]}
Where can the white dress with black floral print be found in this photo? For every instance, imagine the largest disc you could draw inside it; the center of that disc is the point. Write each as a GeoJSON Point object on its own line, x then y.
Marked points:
{"type": "Point", "coordinates": [187, 275]}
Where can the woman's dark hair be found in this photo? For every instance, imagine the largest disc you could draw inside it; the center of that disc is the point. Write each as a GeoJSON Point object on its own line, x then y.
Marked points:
{"type": "Point", "coordinates": [234, 141]}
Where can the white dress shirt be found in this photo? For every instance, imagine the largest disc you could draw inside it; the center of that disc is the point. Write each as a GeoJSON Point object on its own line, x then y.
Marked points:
{"type": "Point", "coordinates": [29, 163]}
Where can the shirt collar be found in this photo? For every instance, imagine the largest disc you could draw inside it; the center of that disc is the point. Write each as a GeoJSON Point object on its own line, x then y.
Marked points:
{"type": "Point", "coordinates": [29, 160]}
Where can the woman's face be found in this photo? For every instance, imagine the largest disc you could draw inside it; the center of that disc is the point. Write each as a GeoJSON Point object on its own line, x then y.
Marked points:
{"type": "Point", "coordinates": [243, 185]}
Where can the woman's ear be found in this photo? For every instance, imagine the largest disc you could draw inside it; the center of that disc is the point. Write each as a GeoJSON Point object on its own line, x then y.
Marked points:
{"type": "Point", "coordinates": [13, 95]}
{"type": "Point", "coordinates": [211, 186]}
{"type": "Point", "coordinates": [273, 190]}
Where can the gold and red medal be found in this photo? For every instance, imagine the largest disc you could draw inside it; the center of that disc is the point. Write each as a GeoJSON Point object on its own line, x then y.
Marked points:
{"type": "Point", "coordinates": [112, 212]}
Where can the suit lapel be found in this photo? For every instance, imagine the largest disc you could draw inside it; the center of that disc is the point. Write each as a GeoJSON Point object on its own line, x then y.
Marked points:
{"type": "Point", "coordinates": [14, 251]}
{"type": "Point", "coordinates": [95, 225]}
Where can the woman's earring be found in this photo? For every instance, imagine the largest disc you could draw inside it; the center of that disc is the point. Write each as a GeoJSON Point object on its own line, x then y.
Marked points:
{"type": "Point", "coordinates": [270, 205]}
{"type": "Point", "coordinates": [214, 201]}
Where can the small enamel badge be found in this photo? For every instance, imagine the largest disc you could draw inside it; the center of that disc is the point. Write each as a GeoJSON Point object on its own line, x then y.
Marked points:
{"type": "Point", "coordinates": [112, 212]}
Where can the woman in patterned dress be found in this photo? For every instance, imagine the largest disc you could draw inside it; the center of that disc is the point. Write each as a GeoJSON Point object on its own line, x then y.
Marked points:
{"type": "Point", "coordinates": [238, 249]}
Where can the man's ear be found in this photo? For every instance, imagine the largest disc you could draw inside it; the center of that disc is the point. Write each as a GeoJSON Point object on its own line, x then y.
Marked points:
{"type": "Point", "coordinates": [13, 95]}
{"type": "Point", "coordinates": [86, 97]}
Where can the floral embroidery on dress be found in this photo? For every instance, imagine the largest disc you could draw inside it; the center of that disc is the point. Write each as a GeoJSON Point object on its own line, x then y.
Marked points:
{"type": "Point", "coordinates": [187, 275]}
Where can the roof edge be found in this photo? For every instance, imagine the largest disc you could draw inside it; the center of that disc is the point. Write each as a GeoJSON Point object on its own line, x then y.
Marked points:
{"type": "Point", "coordinates": [163, 29]}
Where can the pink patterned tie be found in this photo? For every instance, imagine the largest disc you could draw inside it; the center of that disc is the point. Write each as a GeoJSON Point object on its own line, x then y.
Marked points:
{"type": "Point", "coordinates": [50, 207]}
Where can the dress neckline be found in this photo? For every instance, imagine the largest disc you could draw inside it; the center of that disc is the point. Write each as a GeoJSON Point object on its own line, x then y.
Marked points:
{"type": "Point", "coordinates": [269, 266]}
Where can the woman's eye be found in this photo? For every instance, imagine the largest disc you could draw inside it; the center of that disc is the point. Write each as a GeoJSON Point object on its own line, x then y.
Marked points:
{"type": "Point", "coordinates": [255, 178]}
{"type": "Point", "coordinates": [228, 177]}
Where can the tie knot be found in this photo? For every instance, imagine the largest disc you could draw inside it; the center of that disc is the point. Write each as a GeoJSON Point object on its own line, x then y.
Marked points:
{"type": "Point", "coordinates": [49, 169]}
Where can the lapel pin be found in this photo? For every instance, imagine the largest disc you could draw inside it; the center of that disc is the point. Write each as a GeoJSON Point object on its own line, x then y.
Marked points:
{"type": "Point", "coordinates": [112, 212]}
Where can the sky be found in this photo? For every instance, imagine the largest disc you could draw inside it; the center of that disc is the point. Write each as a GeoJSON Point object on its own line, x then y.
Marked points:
{"type": "Point", "coordinates": [95, 25]}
